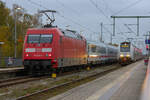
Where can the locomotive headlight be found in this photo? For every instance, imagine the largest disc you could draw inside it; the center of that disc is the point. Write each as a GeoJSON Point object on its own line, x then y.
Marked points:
{"type": "Point", "coordinates": [48, 55]}
{"type": "Point", "coordinates": [128, 55]}
{"type": "Point", "coordinates": [46, 49]}
{"type": "Point", "coordinates": [27, 55]}
{"type": "Point", "coordinates": [30, 50]}
{"type": "Point", "coordinates": [121, 55]}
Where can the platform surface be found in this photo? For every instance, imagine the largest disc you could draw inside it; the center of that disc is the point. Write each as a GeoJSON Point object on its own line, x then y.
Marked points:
{"type": "Point", "coordinates": [123, 84]}
{"type": "Point", "coordinates": [10, 69]}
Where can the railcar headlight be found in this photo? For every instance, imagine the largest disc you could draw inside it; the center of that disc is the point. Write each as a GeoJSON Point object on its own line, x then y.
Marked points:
{"type": "Point", "coordinates": [128, 55]}
{"type": "Point", "coordinates": [121, 55]}
{"type": "Point", "coordinates": [93, 55]}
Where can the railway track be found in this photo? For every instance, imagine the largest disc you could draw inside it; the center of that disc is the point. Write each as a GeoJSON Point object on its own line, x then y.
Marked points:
{"type": "Point", "coordinates": [24, 79]}
{"type": "Point", "coordinates": [64, 86]}
{"type": "Point", "coordinates": [18, 80]}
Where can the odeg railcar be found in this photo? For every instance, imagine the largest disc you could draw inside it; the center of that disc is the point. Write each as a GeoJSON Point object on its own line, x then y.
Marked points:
{"type": "Point", "coordinates": [128, 53]}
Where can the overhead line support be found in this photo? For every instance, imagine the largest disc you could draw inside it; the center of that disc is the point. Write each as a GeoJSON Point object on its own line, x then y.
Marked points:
{"type": "Point", "coordinates": [137, 17]}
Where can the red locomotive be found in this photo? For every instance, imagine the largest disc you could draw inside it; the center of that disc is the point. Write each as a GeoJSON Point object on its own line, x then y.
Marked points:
{"type": "Point", "coordinates": [53, 48]}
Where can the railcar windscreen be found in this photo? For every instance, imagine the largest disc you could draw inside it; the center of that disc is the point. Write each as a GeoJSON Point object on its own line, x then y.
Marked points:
{"type": "Point", "coordinates": [39, 38]}
{"type": "Point", "coordinates": [125, 47]}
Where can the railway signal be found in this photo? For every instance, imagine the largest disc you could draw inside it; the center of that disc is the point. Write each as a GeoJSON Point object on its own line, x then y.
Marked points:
{"type": "Point", "coordinates": [147, 47]}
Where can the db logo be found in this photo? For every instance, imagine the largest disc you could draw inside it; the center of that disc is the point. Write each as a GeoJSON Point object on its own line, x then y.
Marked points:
{"type": "Point", "coordinates": [38, 49]}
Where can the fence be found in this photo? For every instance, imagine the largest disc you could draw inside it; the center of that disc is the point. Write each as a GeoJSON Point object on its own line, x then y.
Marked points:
{"type": "Point", "coordinates": [8, 61]}
{"type": "Point", "coordinates": [145, 95]}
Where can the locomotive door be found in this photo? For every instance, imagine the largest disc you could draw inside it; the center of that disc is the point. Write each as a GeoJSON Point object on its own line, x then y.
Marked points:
{"type": "Point", "coordinates": [61, 61]}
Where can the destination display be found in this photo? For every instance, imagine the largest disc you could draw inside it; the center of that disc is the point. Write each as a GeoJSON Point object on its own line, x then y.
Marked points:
{"type": "Point", "coordinates": [124, 45]}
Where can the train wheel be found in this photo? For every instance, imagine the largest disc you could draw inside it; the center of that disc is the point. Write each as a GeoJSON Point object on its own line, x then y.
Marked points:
{"type": "Point", "coordinates": [26, 69]}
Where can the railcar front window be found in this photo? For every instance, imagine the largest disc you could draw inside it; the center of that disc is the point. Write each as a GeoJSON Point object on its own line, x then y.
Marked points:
{"type": "Point", "coordinates": [125, 49]}
{"type": "Point", "coordinates": [93, 49]}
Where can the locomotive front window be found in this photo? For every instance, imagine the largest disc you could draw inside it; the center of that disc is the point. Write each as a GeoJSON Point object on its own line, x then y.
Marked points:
{"type": "Point", "coordinates": [33, 38]}
{"type": "Point", "coordinates": [46, 38]}
{"type": "Point", "coordinates": [40, 38]}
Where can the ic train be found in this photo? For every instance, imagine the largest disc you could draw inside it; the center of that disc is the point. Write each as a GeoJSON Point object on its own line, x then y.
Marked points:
{"type": "Point", "coordinates": [47, 49]}
{"type": "Point", "coordinates": [128, 53]}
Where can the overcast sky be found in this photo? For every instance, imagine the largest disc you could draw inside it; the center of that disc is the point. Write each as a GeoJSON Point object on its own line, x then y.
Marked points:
{"type": "Point", "coordinates": [86, 15]}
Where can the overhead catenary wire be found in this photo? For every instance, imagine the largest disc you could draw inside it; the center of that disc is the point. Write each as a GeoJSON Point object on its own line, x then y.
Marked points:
{"type": "Point", "coordinates": [74, 11]}
{"type": "Point", "coordinates": [69, 8]}
{"type": "Point", "coordinates": [108, 32]}
{"type": "Point", "coordinates": [122, 9]}
{"type": "Point", "coordinates": [66, 18]}
{"type": "Point", "coordinates": [127, 7]}
{"type": "Point", "coordinates": [110, 9]}
{"type": "Point", "coordinates": [62, 4]}
{"type": "Point", "coordinates": [101, 11]}
{"type": "Point", "coordinates": [129, 28]}
{"type": "Point", "coordinates": [75, 22]}
{"type": "Point", "coordinates": [37, 4]}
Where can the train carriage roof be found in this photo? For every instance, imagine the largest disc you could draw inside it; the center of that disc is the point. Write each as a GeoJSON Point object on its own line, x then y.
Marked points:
{"type": "Point", "coordinates": [101, 44]}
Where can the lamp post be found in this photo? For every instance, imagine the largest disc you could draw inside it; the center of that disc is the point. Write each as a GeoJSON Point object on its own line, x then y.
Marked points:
{"type": "Point", "coordinates": [15, 54]}
{"type": "Point", "coordinates": [1, 43]}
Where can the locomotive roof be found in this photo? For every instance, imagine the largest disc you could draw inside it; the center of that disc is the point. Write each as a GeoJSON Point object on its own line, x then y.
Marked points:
{"type": "Point", "coordinates": [43, 28]}
{"type": "Point", "coordinates": [56, 28]}
{"type": "Point", "coordinates": [96, 43]}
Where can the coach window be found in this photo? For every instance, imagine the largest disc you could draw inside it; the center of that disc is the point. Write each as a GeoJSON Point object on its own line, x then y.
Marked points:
{"type": "Point", "coordinates": [93, 48]}
{"type": "Point", "coordinates": [103, 50]}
